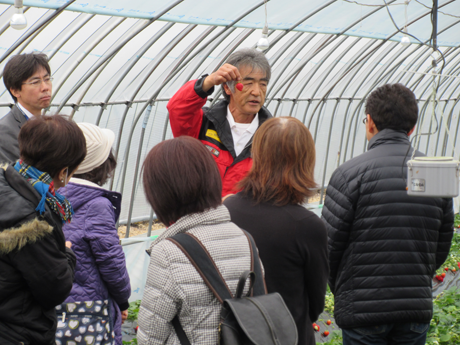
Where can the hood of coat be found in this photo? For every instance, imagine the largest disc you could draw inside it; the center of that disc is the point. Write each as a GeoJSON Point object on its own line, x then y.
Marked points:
{"type": "Point", "coordinates": [80, 194]}
{"type": "Point", "coordinates": [19, 224]}
{"type": "Point", "coordinates": [18, 237]}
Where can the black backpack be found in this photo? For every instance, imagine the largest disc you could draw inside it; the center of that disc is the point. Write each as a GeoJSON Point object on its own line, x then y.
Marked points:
{"type": "Point", "coordinates": [255, 319]}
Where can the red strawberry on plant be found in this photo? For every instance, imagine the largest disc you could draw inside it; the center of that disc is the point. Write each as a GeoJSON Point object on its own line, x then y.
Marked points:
{"type": "Point", "coordinates": [326, 333]}
{"type": "Point", "coordinates": [136, 329]}
{"type": "Point", "coordinates": [446, 268]}
{"type": "Point", "coordinates": [443, 274]}
{"type": "Point", "coordinates": [328, 322]}
{"type": "Point", "coordinates": [440, 278]}
{"type": "Point", "coordinates": [316, 327]}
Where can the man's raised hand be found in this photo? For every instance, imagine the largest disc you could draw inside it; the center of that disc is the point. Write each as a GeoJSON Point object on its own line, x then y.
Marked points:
{"type": "Point", "coordinates": [225, 73]}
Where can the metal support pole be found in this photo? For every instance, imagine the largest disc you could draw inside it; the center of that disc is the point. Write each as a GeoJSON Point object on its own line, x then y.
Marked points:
{"type": "Point", "coordinates": [149, 231]}
{"type": "Point", "coordinates": [434, 37]}
{"type": "Point", "coordinates": [139, 153]}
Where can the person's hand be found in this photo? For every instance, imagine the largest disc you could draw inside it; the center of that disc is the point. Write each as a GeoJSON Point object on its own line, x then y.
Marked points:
{"type": "Point", "coordinates": [124, 315]}
{"type": "Point", "coordinates": [68, 244]}
{"type": "Point", "coordinates": [225, 73]}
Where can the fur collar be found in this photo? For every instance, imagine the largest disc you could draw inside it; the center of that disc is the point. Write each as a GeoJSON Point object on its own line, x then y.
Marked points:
{"type": "Point", "coordinates": [16, 238]}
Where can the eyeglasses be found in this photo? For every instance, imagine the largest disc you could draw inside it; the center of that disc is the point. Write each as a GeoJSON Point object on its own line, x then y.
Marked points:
{"type": "Point", "coordinates": [365, 120]}
{"type": "Point", "coordinates": [38, 81]}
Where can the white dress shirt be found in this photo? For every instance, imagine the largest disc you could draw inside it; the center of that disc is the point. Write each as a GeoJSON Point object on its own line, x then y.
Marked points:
{"type": "Point", "coordinates": [241, 132]}
{"type": "Point", "coordinates": [26, 113]}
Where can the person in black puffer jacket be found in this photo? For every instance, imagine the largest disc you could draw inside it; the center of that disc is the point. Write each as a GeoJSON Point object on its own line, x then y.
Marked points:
{"type": "Point", "coordinates": [384, 245]}
{"type": "Point", "coordinates": [36, 264]}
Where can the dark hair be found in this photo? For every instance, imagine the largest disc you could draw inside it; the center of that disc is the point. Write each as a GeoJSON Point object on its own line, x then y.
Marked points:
{"type": "Point", "coordinates": [282, 172]}
{"type": "Point", "coordinates": [249, 57]}
{"type": "Point", "coordinates": [102, 173]}
{"type": "Point", "coordinates": [52, 143]}
{"type": "Point", "coordinates": [392, 106]}
{"type": "Point", "coordinates": [180, 177]}
{"type": "Point", "coordinates": [21, 67]}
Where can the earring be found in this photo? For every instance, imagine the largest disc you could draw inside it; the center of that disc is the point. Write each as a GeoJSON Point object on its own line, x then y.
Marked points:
{"type": "Point", "coordinates": [62, 180]}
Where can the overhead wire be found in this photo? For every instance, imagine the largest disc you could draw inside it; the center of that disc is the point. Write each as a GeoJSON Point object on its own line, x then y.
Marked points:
{"type": "Point", "coordinates": [434, 64]}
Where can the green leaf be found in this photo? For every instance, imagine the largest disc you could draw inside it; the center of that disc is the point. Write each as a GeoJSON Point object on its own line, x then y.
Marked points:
{"type": "Point", "coordinates": [445, 338]}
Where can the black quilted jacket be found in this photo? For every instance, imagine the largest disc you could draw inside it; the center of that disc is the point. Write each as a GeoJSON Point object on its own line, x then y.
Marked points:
{"type": "Point", "coordinates": [384, 246]}
{"type": "Point", "coordinates": [36, 268]}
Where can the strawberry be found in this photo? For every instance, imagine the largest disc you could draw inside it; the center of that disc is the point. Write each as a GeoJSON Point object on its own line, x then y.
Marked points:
{"type": "Point", "coordinates": [136, 329]}
{"type": "Point", "coordinates": [443, 274]}
{"type": "Point", "coordinates": [239, 86]}
{"type": "Point", "coordinates": [326, 333]}
{"type": "Point", "coordinates": [440, 278]}
{"type": "Point", "coordinates": [446, 268]}
{"type": "Point", "coordinates": [328, 322]}
{"type": "Point", "coordinates": [454, 270]}
{"type": "Point", "coordinates": [316, 327]}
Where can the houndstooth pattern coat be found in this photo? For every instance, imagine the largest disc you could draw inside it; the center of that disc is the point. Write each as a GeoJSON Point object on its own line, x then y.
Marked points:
{"type": "Point", "coordinates": [175, 287]}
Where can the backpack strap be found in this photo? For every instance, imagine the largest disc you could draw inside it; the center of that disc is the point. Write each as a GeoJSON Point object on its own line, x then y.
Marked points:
{"type": "Point", "coordinates": [203, 263]}
{"type": "Point", "coordinates": [200, 258]}
{"type": "Point", "coordinates": [259, 285]}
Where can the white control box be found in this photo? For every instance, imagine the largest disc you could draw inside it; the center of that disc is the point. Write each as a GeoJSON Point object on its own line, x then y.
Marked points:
{"type": "Point", "coordinates": [433, 177]}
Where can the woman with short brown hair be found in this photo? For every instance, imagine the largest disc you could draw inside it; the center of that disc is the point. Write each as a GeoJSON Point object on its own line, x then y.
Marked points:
{"type": "Point", "coordinates": [183, 185]}
{"type": "Point", "coordinates": [292, 241]}
{"type": "Point", "coordinates": [36, 264]}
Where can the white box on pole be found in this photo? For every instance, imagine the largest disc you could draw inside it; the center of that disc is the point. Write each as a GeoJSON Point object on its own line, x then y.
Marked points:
{"type": "Point", "coordinates": [433, 177]}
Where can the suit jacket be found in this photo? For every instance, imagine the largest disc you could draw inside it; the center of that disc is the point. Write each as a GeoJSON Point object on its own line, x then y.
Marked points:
{"type": "Point", "coordinates": [10, 125]}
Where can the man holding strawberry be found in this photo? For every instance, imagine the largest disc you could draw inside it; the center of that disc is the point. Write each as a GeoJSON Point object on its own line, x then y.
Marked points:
{"type": "Point", "coordinates": [227, 128]}
{"type": "Point", "coordinates": [384, 246]}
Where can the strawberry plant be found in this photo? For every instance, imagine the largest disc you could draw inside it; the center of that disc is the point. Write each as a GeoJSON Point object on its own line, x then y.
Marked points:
{"type": "Point", "coordinates": [445, 324]}
{"type": "Point", "coordinates": [453, 259]}
{"type": "Point", "coordinates": [329, 302]}
{"type": "Point", "coordinates": [457, 221]}
{"type": "Point", "coordinates": [133, 311]}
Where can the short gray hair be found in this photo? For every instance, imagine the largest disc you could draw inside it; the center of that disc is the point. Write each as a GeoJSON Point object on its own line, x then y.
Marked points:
{"type": "Point", "coordinates": [247, 57]}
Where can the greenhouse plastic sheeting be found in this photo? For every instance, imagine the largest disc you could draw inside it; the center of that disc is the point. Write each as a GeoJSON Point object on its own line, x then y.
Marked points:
{"type": "Point", "coordinates": [137, 263]}
{"type": "Point", "coordinates": [323, 16]}
{"type": "Point", "coordinates": [120, 72]}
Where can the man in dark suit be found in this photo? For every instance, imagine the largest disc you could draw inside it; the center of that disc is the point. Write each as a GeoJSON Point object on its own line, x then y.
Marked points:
{"type": "Point", "coordinates": [27, 77]}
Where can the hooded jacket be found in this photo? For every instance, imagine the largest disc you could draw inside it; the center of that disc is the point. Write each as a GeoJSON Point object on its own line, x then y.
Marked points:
{"type": "Point", "coordinates": [384, 245]}
{"type": "Point", "coordinates": [101, 267]}
{"type": "Point", "coordinates": [36, 267]}
{"type": "Point", "coordinates": [188, 117]}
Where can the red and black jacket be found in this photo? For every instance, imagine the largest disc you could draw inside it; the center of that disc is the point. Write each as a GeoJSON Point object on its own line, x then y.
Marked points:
{"type": "Point", "coordinates": [188, 117]}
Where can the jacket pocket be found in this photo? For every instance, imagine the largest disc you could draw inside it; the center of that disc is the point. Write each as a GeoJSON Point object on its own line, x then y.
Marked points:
{"type": "Point", "coordinates": [223, 158]}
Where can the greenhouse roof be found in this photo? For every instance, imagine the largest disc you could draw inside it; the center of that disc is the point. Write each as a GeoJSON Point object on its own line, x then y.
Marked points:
{"type": "Point", "coordinates": [354, 18]}
{"type": "Point", "coordinates": [116, 63]}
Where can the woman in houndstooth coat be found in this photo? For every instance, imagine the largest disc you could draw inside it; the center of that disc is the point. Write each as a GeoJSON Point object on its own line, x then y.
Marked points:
{"type": "Point", "coordinates": [183, 185]}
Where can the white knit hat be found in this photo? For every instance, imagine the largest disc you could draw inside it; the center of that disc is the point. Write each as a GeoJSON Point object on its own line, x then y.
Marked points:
{"type": "Point", "coordinates": [99, 142]}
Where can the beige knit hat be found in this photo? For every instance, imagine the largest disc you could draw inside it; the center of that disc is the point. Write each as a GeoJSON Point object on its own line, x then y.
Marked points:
{"type": "Point", "coordinates": [99, 142]}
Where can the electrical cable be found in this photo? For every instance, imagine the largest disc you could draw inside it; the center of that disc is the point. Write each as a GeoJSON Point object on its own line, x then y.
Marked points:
{"type": "Point", "coordinates": [435, 89]}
